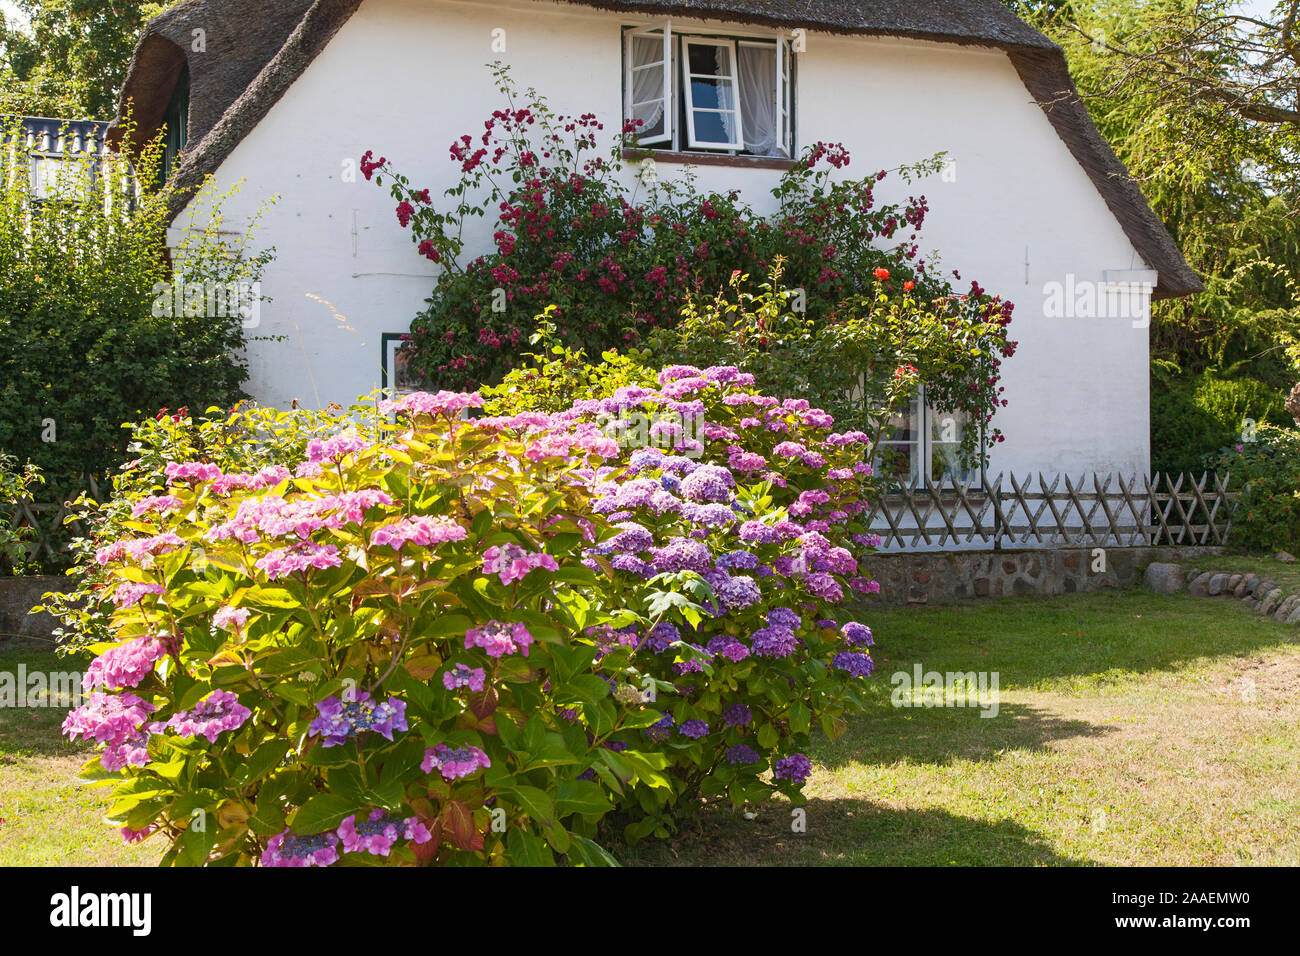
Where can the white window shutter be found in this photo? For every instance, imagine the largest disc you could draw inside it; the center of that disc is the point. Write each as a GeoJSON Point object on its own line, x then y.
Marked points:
{"type": "Point", "coordinates": [648, 85]}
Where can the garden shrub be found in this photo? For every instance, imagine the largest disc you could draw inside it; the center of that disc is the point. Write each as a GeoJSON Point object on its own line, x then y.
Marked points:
{"type": "Point", "coordinates": [1267, 472]}
{"type": "Point", "coordinates": [246, 438]}
{"type": "Point", "coordinates": [85, 343]}
{"type": "Point", "coordinates": [867, 363]}
{"type": "Point", "coordinates": [467, 641]}
{"type": "Point", "coordinates": [618, 251]}
{"type": "Point", "coordinates": [16, 485]}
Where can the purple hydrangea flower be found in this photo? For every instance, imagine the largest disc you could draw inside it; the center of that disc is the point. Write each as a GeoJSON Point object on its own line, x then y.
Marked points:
{"type": "Point", "coordinates": [217, 712]}
{"type": "Point", "coordinates": [708, 483]}
{"type": "Point", "coordinates": [454, 764]}
{"type": "Point", "coordinates": [462, 675]}
{"type": "Point", "coordinates": [796, 768]}
{"type": "Point", "coordinates": [784, 617]}
{"type": "Point", "coordinates": [661, 729]}
{"type": "Point", "coordinates": [737, 715]}
{"type": "Point", "coordinates": [742, 754]}
{"type": "Point", "coordinates": [859, 665]}
{"type": "Point", "coordinates": [694, 729]}
{"type": "Point", "coordinates": [857, 635]}
{"type": "Point", "coordinates": [682, 554]}
{"type": "Point", "coordinates": [353, 712]}
{"type": "Point", "coordinates": [285, 849]}
{"type": "Point", "coordinates": [774, 641]}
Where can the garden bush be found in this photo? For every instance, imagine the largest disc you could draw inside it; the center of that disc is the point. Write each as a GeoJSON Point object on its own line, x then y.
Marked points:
{"type": "Point", "coordinates": [1267, 472]}
{"type": "Point", "coordinates": [17, 484]}
{"type": "Point", "coordinates": [618, 251]}
{"type": "Point", "coordinates": [85, 340]}
{"type": "Point", "coordinates": [470, 641]}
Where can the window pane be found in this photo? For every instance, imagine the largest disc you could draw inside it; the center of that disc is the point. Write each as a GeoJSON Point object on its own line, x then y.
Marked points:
{"type": "Point", "coordinates": [947, 429]}
{"type": "Point", "coordinates": [713, 127]}
{"type": "Point", "coordinates": [758, 103]}
{"type": "Point", "coordinates": [712, 94]}
{"type": "Point", "coordinates": [707, 60]}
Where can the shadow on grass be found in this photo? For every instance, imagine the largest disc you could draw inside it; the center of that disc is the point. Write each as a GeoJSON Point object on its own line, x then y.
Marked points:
{"type": "Point", "coordinates": [1078, 637]}
{"type": "Point", "coordinates": [942, 735]}
{"type": "Point", "coordinates": [847, 832]}
{"type": "Point", "coordinates": [36, 731]}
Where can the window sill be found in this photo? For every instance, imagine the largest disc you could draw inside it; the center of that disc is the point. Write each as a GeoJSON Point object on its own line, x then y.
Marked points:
{"type": "Point", "coordinates": [707, 159]}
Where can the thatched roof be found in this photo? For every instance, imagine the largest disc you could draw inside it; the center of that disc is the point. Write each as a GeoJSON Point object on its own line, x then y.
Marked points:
{"type": "Point", "coordinates": [256, 50]}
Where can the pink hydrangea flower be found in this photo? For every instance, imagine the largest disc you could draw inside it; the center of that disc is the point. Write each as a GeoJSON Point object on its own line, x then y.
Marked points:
{"type": "Point", "coordinates": [446, 404]}
{"type": "Point", "coordinates": [285, 849]}
{"type": "Point", "coordinates": [285, 561]}
{"type": "Point", "coordinates": [129, 593]}
{"type": "Point", "coordinates": [125, 665]}
{"type": "Point", "coordinates": [231, 618]}
{"type": "Point", "coordinates": [454, 764]}
{"type": "Point", "coordinates": [192, 471]}
{"type": "Point", "coordinates": [336, 448]}
{"type": "Point", "coordinates": [499, 639]}
{"type": "Point", "coordinates": [462, 675]}
{"type": "Point", "coordinates": [379, 832]}
{"type": "Point", "coordinates": [510, 562]}
{"type": "Point", "coordinates": [213, 715]}
{"type": "Point", "coordinates": [423, 530]}
{"type": "Point", "coordinates": [160, 503]}
{"type": "Point", "coordinates": [114, 720]}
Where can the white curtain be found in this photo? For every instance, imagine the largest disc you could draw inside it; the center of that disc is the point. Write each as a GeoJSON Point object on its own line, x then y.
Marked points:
{"type": "Point", "coordinates": [648, 84]}
{"type": "Point", "coordinates": [758, 98]}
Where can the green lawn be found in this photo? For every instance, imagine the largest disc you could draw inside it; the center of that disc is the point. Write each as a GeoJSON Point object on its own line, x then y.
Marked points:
{"type": "Point", "coordinates": [1133, 729]}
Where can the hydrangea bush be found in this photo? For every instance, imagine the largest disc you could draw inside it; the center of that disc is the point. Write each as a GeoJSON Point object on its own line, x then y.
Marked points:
{"type": "Point", "coordinates": [468, 640]}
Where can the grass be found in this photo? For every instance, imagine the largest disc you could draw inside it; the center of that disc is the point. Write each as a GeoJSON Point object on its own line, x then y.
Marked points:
{"type": "Point", "coordinates": [1133, 728]}
{"type": "Point", "coordinates": [47, 816]}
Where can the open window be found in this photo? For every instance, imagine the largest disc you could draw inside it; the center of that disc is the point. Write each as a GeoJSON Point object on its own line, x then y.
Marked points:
{"type": "Point", "coordinates": [710, 93]}
{"type": "Point", "coordinates": [648, 92]}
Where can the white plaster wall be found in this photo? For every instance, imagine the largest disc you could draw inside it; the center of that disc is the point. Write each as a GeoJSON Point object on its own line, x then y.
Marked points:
{"type": "Point", "coordinates": [406, 77]}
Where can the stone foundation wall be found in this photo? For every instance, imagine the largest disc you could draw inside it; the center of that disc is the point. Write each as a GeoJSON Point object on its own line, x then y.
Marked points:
{"type": "Point", "coordinates": [17, 597]}
{"type": "Point", "coordinates": [948, 577]}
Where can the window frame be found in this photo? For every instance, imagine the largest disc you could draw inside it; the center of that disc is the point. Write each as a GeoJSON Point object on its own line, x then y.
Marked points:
{"type": "Point", "coordinates": [682, 144]}
{"type": "Point", "coordinates": [922, 471]}
{"type": "Point", "coordinates": [688, 90]}
{"type": "Point", "coordinates": [629, 79]}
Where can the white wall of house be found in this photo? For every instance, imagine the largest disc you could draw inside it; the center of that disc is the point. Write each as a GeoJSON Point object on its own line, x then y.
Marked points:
{"type": "Point", "coordinates": [406, 77]}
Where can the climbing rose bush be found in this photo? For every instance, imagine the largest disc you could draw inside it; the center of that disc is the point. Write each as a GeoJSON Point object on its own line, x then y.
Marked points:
{"type": "Point", "coordinates": [461, 640]}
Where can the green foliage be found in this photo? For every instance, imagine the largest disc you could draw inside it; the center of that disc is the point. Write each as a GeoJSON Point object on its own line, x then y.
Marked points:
{"type": "Point", "coordinates": [1267, 469]}
{"type": "Point", "coordinates": [89, 336]}
{"type": "Point", "coordinates": [864, 365]}
{"type": "Point", "coordinates": [1194, 416]}
{"type": "Point", "coordinates": [273, 598]}
{"type": "Point", "coordinates": [558, 375]}
{"type": "Point", "coordinates": [70, 59]}
{"type": "Point", "coordinates": [617, 256]}
{"type": "Point", "coordinates": [16, 484]}
{"type": "Point", "coordinates": [247, 438]}
{"type": "Point", "coordinates": [1169, 83]}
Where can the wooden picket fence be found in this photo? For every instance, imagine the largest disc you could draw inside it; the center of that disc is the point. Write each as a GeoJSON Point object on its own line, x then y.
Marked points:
{"type": "Point", "coordinates": [49, 535]}
{"type": "Point", "coordinates": [1108, 510]}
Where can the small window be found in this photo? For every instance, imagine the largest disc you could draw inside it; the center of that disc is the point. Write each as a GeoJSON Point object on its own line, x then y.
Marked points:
{"type": "Point", "coordinates": [177, 120]}
{"type": "Point", "coordinates": [921, 443]}
{"type": "Point", "coordinates": [710, 93]}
